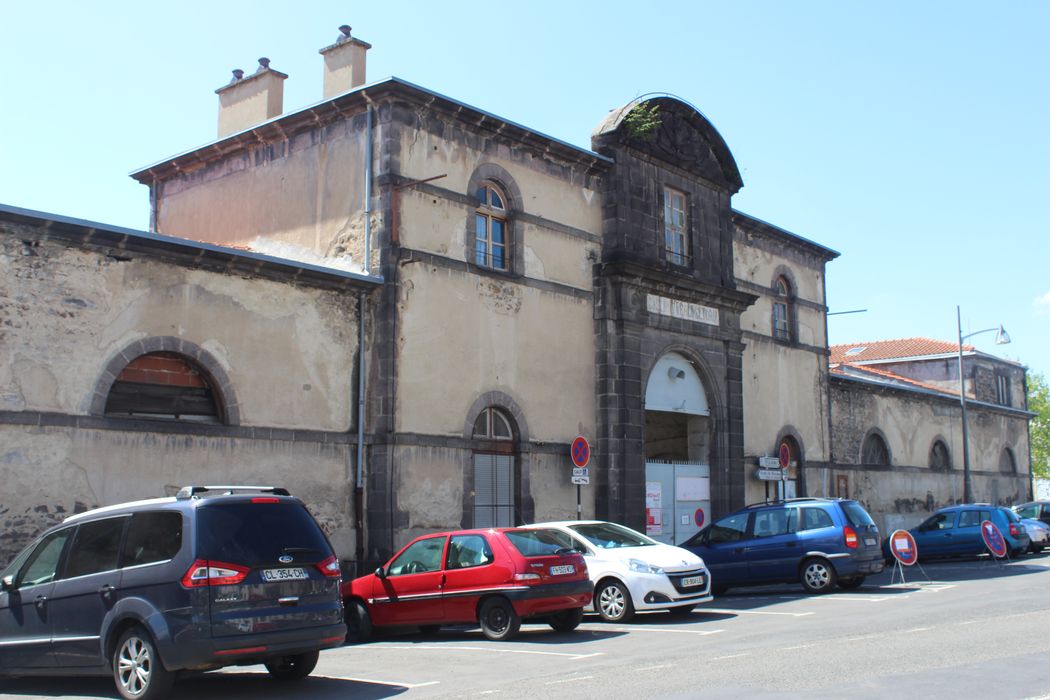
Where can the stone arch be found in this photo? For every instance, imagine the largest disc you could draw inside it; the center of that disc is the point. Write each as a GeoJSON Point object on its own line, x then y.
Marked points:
{"type": "Point", "coordinates": [875, 433]}
{"type": "Point", "coordinates": [216, 375]}
{"type": "Point", "coordinates": [520, 449]}
{"type": "Point", "coordinates": [935, 458]}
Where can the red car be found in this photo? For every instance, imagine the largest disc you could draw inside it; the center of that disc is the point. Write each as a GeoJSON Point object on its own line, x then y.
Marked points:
{"type": "Point", "coordinates": [493, 578]}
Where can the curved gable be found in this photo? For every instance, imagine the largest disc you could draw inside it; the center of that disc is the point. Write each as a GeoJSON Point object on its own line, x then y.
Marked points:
{"type": "Point", "coordinates": [682, 136]}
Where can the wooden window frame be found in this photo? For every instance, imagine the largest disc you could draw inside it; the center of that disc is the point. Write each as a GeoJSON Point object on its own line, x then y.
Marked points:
{"type": "Point", "coordinates": [676, 237]}
{"type": "Point", "coordinates": [487, 213]}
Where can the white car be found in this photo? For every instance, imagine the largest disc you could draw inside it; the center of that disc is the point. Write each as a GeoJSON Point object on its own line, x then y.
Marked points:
{"type": "Point", "coordinates": [633, 572]}
{"type": "Point", "coordinates": [1038, 534]}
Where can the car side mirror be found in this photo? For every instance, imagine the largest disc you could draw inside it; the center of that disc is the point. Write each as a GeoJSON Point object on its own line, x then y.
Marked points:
{"type": "Point", "coordinates": [381, 573]}
{"type": "Point", "coordinates": [7, 583]}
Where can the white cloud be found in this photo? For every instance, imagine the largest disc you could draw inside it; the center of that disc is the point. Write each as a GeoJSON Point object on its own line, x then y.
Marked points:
{"type": "Point", "coordinates": [1042, 303]}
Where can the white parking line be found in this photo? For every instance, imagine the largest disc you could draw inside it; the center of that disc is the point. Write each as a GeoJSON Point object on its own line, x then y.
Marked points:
{"type": "Point", "coordinates": [799, 646]}
{"type": "Point", "coordinates": [394, 684]}
{"type": "Point", "coordinates": [569, 680]}
{"type": "Point", "coordinates": [730, 656]}
{"type": "Point", "coordinates": [698, 633]}
{"type": "Point", "coordinates": [655, 668]}
{"type": "Point", "coordinates": [491, 650]}
{"type": "Point", "coordinates": [918, 629]}
{"type": "Point", "coordinates": [852, 598]}
{"type": "Point", "coordinates": [731, 611]}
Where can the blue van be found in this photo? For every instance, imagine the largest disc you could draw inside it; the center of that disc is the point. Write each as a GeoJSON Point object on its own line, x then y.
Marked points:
{"type": "Point", "coordinates": [818, 542]}
{"type": "Point", "coordinates": [215, 576]}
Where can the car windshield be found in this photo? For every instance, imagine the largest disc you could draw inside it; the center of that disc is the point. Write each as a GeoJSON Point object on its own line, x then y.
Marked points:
{"type": "Point", "coordinates": [611, 536]}
{"type": "Point", "coordinates": [536, 543]}
{"type": "Point", "coordinates": [858, 517]}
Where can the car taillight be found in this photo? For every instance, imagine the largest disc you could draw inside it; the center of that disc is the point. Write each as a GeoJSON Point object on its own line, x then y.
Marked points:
{"type": "Point", "coordinates": [329, 567]}
{"type": "Point", "coordinates": [213, 573]}
{"type": "Point", "coordinates": [265, 499]}
{"type": "Point", "coordinates": [527, 578]}
{"type": "Point", "coordinates": [851, 537]}
{"type": "Point", "coordinates": [1014, 530]}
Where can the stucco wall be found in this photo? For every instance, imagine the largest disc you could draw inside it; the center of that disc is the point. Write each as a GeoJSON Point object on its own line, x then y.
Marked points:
{"type": "Point", "coordinates": [289, 351]}
{"type": "Point", "coordinates": [53, 472]}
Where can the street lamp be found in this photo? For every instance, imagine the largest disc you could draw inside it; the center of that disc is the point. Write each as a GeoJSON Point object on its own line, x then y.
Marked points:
{"type": "Point", "coordinates": [1001, 338]}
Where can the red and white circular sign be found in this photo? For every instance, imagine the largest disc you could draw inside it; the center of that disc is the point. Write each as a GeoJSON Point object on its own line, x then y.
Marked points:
{"type": "Point", "coordinates": [580, 451]}
{"type": "Point", "coordinates": [993, 539]}
{"type": "Point", "coordinates": [903, 547]}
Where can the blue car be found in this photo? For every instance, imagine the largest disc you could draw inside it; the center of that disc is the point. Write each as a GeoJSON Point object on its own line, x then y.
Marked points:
{"type": "Point", "coordinates": [955, 531]}
{"type": "Point", "coordinates": [818, 542]}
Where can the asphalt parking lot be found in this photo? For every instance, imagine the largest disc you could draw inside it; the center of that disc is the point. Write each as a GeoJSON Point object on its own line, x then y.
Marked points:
{"type": "Point", "coordinates": [973, 626]}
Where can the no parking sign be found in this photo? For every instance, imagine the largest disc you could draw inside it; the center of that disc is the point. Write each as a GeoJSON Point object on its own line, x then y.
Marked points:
{"type": "Point", "coordinates": [903, 547]}
{"type": "Point", "coordinates": [993, 539]}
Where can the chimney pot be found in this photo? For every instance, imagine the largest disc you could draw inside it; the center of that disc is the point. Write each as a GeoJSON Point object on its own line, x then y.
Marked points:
{"type": "Point", "coordinates": [250, 100]}
{"type": "Point", "coordinates": [264, 63]}
{"type": "Point", "coordinates": [237, 75]}
{"type": "Point", "coordinates": [344, 63]}
{"type": "Point", "coordinates": [345, 29]}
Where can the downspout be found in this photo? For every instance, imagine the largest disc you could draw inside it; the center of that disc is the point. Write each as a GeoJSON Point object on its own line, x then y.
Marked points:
{"type": "Point", "coordinates": [827, 388]}
{"type": "Point", "coordinates": [153, 199]}
{"type": "Point", "coordinates": [359, 481]}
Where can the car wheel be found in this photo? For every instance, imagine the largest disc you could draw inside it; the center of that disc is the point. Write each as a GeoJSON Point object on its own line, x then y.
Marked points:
{"type": "Point", "coordinates": [430, 629]}
{"type": "Point", "coordinates": [818, 576]}
{"type": "Point", "coordinates": [137, 668]}
{"type": "Point", "coordinates": [681, 610]}
{"type": "Point", "coordinates": [851, 583]}
{"type": "Point", "coordinates": [498, 620]}
{"type": "Point", "coordinates": [358, 622]}
{"type": "Point", "coordinates": [566, 620]}
{"type": "Point", "coordinates": [294, 667]}
{"type": "Point", "coordinates": [613, 602]}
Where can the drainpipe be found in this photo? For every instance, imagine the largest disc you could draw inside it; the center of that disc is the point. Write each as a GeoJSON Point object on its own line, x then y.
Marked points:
{"type": "Point", "coordinates": [153, 206]}
{"type": "Point", "coordinates": [359, 481]}
{"type": "Point", "coordinates": [827, 389]}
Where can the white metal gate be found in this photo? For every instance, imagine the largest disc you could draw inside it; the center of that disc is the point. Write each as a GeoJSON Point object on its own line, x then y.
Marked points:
{"type": "Point", "coordinates": [677, 499]}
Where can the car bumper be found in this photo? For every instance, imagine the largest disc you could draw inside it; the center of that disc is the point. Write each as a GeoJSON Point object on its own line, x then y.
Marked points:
{"type": "Point", "coordinates": [256, 648]}
{"type": "Point", "coordinates": [663, 591]}
{"type": "Point", "coordinates": [847, 567]}
{"type": "Point", "coordinates": [530, 601]}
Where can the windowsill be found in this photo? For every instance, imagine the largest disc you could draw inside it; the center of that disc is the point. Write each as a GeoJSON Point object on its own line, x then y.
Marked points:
{"type": "Point", "coordinates": [493, 272]}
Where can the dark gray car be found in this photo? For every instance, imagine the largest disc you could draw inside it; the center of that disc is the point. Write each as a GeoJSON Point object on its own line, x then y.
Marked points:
{"type": "Point", "coordinates": [216, 576]}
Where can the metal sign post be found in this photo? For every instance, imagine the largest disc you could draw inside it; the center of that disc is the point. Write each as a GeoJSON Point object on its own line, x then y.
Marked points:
{"type": "Point", "coordinates": [580, 452]}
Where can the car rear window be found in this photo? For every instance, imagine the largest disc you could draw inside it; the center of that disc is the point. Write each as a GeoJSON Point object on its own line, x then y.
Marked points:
{"type": "Point", "coordinates": [855, 513]}
{"type": "Point", "coordinates": [535, 543]}
{"type": "Point", "coordinates": [251, 534]}
{"type": "Point", "coordinates": [1010, 515]}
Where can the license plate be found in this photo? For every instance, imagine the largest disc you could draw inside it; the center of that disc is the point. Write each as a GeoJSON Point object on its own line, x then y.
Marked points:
{"type": "Point", "coordinates": [564, 569]}
{"type": "Point", "coordinates": [870, 541]}
{"type": "Point", "coordinates": [690, 581]}
{"type": "Point", "coordinates": [283, 574]}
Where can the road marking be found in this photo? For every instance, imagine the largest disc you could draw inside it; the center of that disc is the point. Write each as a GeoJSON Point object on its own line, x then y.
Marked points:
{"type": "Point", "coordinates": [862, 637]}
{"type": "Point", "coordinates": [731, 611]}
{"type": "Point", "coordinates": [655, 668]}
{"type": "Point", "coordinates": [570, 680]}
{"type": "Point", "coordinates": [918, 629]}
{"type": "Point", "coordinates": [730, 656]}
{"type": "Point", "coordinates": [857, 598]}
{"type": "Point", "coordinates": [394, 684]}
{"type": "Point", "coordinates": [799, 646]}
{"type": "Point", "coordinates": [574, 657]}
{"type": "Point", "coordinates": [698, 633]}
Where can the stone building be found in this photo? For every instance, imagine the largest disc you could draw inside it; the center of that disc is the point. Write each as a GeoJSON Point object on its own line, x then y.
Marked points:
{"type": "Point", "coordinates": [512, 292]}
{"type": "Point", "coordinates": [897, 426]}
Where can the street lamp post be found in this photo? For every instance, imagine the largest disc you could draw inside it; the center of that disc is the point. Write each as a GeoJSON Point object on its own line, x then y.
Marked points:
{"type": "Point", "coordinates": [1001, 338]}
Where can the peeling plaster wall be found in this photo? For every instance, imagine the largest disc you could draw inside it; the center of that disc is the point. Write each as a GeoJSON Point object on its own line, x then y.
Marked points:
{"type": "Point", "coordinates": [905, 492]}
{"type": "Point", "coordinates": [65, 313]}
{"type": "Point", "coordinates": [50, 473]}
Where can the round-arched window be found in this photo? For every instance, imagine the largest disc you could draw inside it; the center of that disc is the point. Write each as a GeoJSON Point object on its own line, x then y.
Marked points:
{"type": "Point", "coordinates": [166, 386]}
{"type": "Point", "coordinates": [490, 227]}
{"type": "Point", "coordinates": [940, 459]}
{"type": "Point", "coordinates": [875, 451]}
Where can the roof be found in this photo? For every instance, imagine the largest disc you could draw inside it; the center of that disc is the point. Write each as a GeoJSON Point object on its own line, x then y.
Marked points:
{"type": "Point", "coordinates": [889, 378]}
{"type": "Point", "coordinates": [754, 224]}
{"type": "Point", "coordinates": [900, 348]}
{"type": "Point", "coordinates": [345, 104]}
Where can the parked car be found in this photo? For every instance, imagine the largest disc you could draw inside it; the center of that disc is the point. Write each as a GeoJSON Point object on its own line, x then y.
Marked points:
{"type": "Point", "coordinates": [955, 531]}
{"type": "Point", "coordinates": [494, 578]}
{"type": "Point", "coordinates": [1038, 534]}
{"type": "Point", "coordinates": [215, 576]}
{"type": "Point", "coordinates": [633, 572]}
{"type": "Point", "coordinates": [818, 542]}
{"type": "Point", "coordinates": [1037, 510]}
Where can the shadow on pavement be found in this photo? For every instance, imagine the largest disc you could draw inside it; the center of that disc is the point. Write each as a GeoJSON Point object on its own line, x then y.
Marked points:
{"type": "Point", "coordinates": [207, 686]}
{"type": "Point", "coordinates": [531, 633]}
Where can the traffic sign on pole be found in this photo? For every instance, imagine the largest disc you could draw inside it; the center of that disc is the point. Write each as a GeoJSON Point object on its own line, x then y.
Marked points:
{"type": "Point", "coordinates": [580, 451]}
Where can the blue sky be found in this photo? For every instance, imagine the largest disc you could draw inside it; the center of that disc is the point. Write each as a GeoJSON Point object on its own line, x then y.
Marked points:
{"type": "Point", "coordinates": [912, 137]}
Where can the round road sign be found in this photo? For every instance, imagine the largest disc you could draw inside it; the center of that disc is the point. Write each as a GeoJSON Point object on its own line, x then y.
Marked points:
{"type": "Point", "coordinates": [903, 547]}
{"type": "Point", "coordinates": [698, 517]}
{"type": "Point", "coordinates": [994, 539]}
{"type": "Point", "coordinates": [580, 451]}
{"type": "Point", "coordinates": [784, 455]}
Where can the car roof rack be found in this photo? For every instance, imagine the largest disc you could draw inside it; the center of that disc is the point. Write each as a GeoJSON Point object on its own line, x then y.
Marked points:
{"type": "Point", "coordinates": [194, 491]}
{"type": "Point", "coordinates": [783, 501]}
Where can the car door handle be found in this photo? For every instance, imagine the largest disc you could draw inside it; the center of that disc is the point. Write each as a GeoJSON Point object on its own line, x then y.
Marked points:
{"type": "Point", "coordinates": [41, 602]}
{"type": "Point", "coordinates": [106, 591]}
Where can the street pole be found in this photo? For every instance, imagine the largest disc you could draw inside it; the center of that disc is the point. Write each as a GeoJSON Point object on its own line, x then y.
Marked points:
{"type": "Point", "coordinates": [967, 483]}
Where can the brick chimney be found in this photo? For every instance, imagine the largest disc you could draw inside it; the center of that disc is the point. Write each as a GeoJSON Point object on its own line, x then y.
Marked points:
{"type": "Point", "coordinates": [344, 63]}
{"type": "Point", "coordinates": [247, 101]}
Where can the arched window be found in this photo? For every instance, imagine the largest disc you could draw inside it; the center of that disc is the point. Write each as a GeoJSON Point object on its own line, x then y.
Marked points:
{"type": "Point", "coordinates": [940, 460]}
{"type": "Point", "coordinates": [782, 309]}
{"type": "Point", "coordinates": [490, 227]}
{"type": "Point", "coordinates": [166, 386]}
{"type": "Point", "coordinates": [875, 451]}
{"type": "Point", "coordinates": [1007, 462]}
{"type": "Point", "coordinates": [495, 460]}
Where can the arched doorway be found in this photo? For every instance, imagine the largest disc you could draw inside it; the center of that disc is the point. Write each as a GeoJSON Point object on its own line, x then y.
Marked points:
{"type": "Point", "coordinates": [679, 435]}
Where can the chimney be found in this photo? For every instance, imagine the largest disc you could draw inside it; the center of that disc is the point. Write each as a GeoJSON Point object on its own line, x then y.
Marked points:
{"type": "Point", "coordinates": [344, 63]}
{"type": "Point", "coordinates": [247, 101]}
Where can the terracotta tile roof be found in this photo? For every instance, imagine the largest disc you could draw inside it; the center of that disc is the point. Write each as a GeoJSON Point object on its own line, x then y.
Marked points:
{"type": "Point", "coordinates": [869, 372]}
{"type": "Point", "coordinates": [892, 349]}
